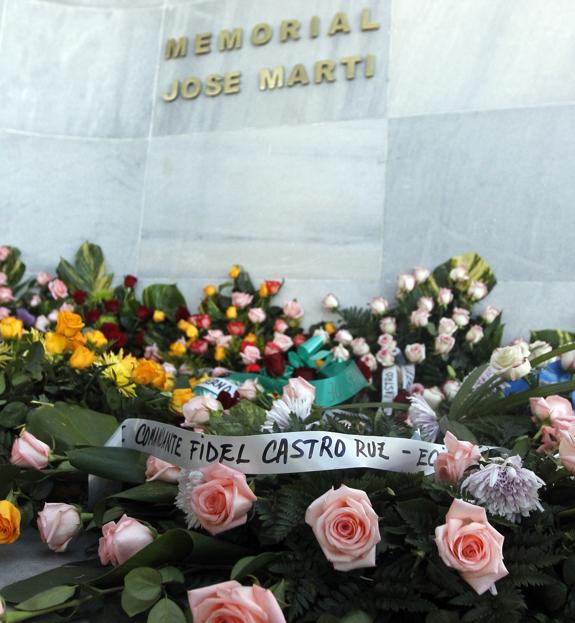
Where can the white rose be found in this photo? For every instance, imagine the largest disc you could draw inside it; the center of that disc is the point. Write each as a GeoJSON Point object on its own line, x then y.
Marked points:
{"type": "Point", "coordinates": [419, 318]}
{"type": "Point", "coordinates": [343, 336]}
{"type": "Point", "coordinates": [477, 290]}
{"type": "Point", "coordinates": [406, 282]}
{"type": "Point", "coordinates": [359, 347]}
{"type": "Point", "coordinates": [511, 362]}
{"type": "Point", "coordinates": [460, 316]}
{"type": "Point", "coordinates": [370, 361]}
{"type": "Point", "coordinates": [421, 274]}
{"type": "Point", "coordinates": [459, 274]}
{"type": "Point", "coordinates": [58, 524]}
{"type": "Point", "coordinates": [385, 357]}
{"type": "Point", "coordinates": [323, 334]}
{"type": "Point", "coordinates": [330, 302]}
{"type": "Point", "coordinates": [446, 327]}
{"type": "Point", "coordinates": [490, 313]}
{"type": "Point", "coordinates": [415, 353]}
{"type": "Point", "coordinates": [388, 325]}
{"type": "Point", "coordinates": [539, 348]}
{"type": "Point", "coordinates": [444, 344]}
{"type": "Point", "coordinates": [568, 361]}
{"type": "Point", "coordinates": [378, 305]}
{"type": "Point", "coordinates": [426, 302]}
{"type": "Point", "coordinates": [42, 323]}
{"type": "Point", "coordinates": [474, 335]}
{"type": "Point", "coordinates": [340, 353]}
{"type": "Point", "coordinates": [450, 388]}
{"type": "Point", "coordinates": [444, 296]}
{"type": "Point", "coordinates": [433, 396]}
{"type": "Point", "coordinates": [386, 341]}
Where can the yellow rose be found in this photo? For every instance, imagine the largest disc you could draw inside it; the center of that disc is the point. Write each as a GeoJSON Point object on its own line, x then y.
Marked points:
{"type": "Point", "coordinates": [69, 324]}
{"type": "Point", "coordinates": [149, 372]}
{"type": "Point", "coordinates": [81, 358]}
{"type": "Point", "coordinates": [252, 338]}
{"type": "Point", "coordinates": [183, 325]}
{"type": "Point", "coordinates": [9, 522]}
{"type": "Point", "coordinates": [180, 397]}
{"type": "Point", "coordinates": [219, 353]}
{"type": "Point", "coordinates": [196, 380]}
{"type": "Point", "coordinates": [264, 292]}
{"type": "Point", "coordinates": [159, 315]}
{"type": "Point", "coordinates": [177, 349]}
{"type": "Point", "coordinates": [192, 332]}
{"type": "Point", "coordinates": [231, 313]}
{"type": "Point", "coordinates": [210, 290]}
{"type": "Point", "coordinates": [235, 271]}
{"type": "Point", "coordinates": [74, 342]}
{"type": "Point", "coordinates": [329, 327]}
{"type": "Point", "coordinates": [96, 338]}
{"type": "Point", "coordinates": [54, 343]}
{"type": "Point", "coordinates": [11, 328]}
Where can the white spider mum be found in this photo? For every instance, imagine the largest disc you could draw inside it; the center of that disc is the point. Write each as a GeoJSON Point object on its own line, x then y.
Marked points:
{"type": "Point", "coordinates": [282, 409]}
{"type": "Point", "coordinates": [188, 481]}
{"type": "Point", "coordinates": [422, 417]}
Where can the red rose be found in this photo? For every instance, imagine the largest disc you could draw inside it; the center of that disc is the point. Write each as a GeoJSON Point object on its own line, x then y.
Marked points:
{"type": "Point", "coordinates": [235, 327]}
{"type": "Point", "coordinates": [272, 349]}
{"type": "Point", "coordinates": [364, 369]}
{"type": "Point", "coordinates": [273, 286]}
{"type": "Point", "coordinates": [202, 321]}
{"type": "Point", "coordinates": [130, 281]}
{"type": "Point", "coordinates": [253, 368]}
{"type": "Point", "coordinates": [79, 297]}
{"type": "Point", "coordinates": [143, 312]}
{"type": "Point", "coordinates": [112, 305]}
{"type": "Point", "coordinates": [93, 315]}
{"type": "Point", "coordinates": [199, 347]}
{"type": "Point", "coordinates": [139, 337]}
{"type": "Point", "coordinates": [275, 364]}
{"type": "Point", "coordinates": [306, 373]}
{"type": "Point", "coordinates": [227, 400]}
{"type": "Point", "coordinates": [182, 313]}
{"type": "Point", "coordinates": [299, 339]}
{"type": "Point", "coordinates": [113, 333]}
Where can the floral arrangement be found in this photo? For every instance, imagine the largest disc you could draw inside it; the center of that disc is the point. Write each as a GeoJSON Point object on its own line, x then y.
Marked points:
{"type": "Point", "coordinates": [485, 531]}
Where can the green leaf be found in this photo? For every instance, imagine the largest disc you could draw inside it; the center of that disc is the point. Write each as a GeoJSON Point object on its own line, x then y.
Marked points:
{"type": "Point", "coordinates": [569, 571]}
{"type": "Point", "coordinates": [120, 464]}
{"type": "Point", "coordinates": [357, 616]}
{"type": "Point", "coordinates": [46, 599]}
{"type": "Point", "coordinates": [465, 390]}
{"type": "Point", "coordinates": [144, 583]}
{"type": "Point", "coordinates": [457, 428]}
{"type": "Point", "coordinates": [251, 564]}
{"type": "Point", "coordinates": [88, 272]}
{"type": "Point", "coordinates": [13, 414]}
{"type": "Point", "coordinates": [553, 337]}
{"type": "Point", "coordinates": [70, 426]}
{"type": "Point", "coordinates": [154, 492]}
{"type": "Point", "coordinates": [133, 605]}
{"type": "Point", "coordinates": [172, 575]}
{"type": "Point", "coordinates": [165, 297]}
{"type": "Point", "coordinates": [166, 611]}
{"type": "Point", "coordinates": [442, 616]}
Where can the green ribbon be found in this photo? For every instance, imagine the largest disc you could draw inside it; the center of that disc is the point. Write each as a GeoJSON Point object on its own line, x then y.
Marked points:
{"type": "Point", "coordinates": [338, 380]}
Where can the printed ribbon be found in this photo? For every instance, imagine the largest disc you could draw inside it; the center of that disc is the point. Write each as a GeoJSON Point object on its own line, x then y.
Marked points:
{"type": "Point", "coordinates": [552, 373]}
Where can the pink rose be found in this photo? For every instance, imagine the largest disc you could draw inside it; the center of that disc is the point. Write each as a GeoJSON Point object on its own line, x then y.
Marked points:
{"type": "Point", "coordinates": [4, 312]}
{"type": "Point", "coordinates": [471, 546]}
{"type": "Point", "coordinates": [385, 340]}
{"type": "Point", "coordinates": [28, 451]}
{"type": "Point", "coordinates": [3, 279]}
{"type": "Point", "coordinates": [346, 527]}
{"type": "Point", "coordinates": [120, 541]}
{"type": "Point", "coordinates": [461, 316]}
{"type": "Point", "coordinates": [450, 466]}
{"type": "Point", "coordinates": [425, 302]}
{"type": "Point", "coordinates": [248, 389]}
{"type": "Point", "coordinates": [490, 313]}
{"type": "Point", "coordinates": [378, 305]}
{"type": "Point", "coordinates": [474, 335]}
{"type": "Point", "coordinates": [359, 347]}
{"type": "Point", "coordinates": [6, 295]}
{"type": "Point", "coordinates": [197, 410]}
{"type": "Point", "coordinates": [459, 273]}
{"type": "Point", "coordinates": [4, 253]}
{"type": "Point", "coordinates": [222, 500]}
{"type": "Point", "coordinates": [477, 290]}
{"type": "Point", "coordinates": [241, 299]}
{"type": "Point", "coordinates": [280, 326]}
{"type": "Point", "coordinates": [219, 371]}
{"type": "Point", "coordinates": [444, 296]}
{"type": "Point", "coordinates": [293, 310]}
{"type": "Point", "coordinates": [444, 344]}
{"type": "Point", "coordinates": [385, 357]}
{"type": "Point", "coordinates": [250, 354]}
{"type": "Point", "coordinates": [44, 279]}
{"type": "Point", "coordinates": [388, 325]}
{"type": "Point", "coordinates": [58, 289]}
{"type": "Point", "coordinates": [343, 336]}
{"type": "Point", "coordinates": [406, 282]}
{"type": "Point", "coordinates": [58, 524]}
{"type": "Point", "coordinates": [230, 601]}
{"type": "Point", "coordinates": [299, 389]}
{"type": "Point", "coordinates": [568, 361]}
{"type": "Point", "coordinates": [421, 274]}
{"type": "Point", "coordinates": [370, 361]}
{"type": "Point", "coordinates": [415, 353]}
{"type": "Point", "coordinates": [156, 469]}
{"type": "Point", "coordinates": [213, 335]}
{"type": "Point", "coordinates": [340, 353]}
{"type": "Point", "coordinates": [283, 341]}
{"type": "Point", "coordinates": [419, 318]}
{"type": "Point", "coordinates": [256, 315]}
{"type": "Point", "coordinates": [330, 302]}
{"type": "Point", "coordinates": [556, 415]}
{"type": "Point", "coordinates": [567, 449]}
{"type": "Point", "coordinates": [446, 326]}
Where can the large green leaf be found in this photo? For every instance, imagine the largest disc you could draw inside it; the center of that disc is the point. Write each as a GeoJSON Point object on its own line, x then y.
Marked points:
{"type": "Point", "coordinates": [88, 272]}
{"type": "Point", "coordinates": [46, 599]}
{"type": "Point", "coordinates": [163, 296]}
{"type": "Point", "coordinates": [13, 267]}
{"type": "Point", "coordinates": [120, 464]}
{"type": "Point", "coordinates": [250, 564]}
{"type": "Point", "coordinates": [166, 610]}
{"type": "Point", "coordinates": [71, 426]}
{"type": "Point", "coordinates": [153, 492]}
{"type": "Point", "coordinates": [554, 337]}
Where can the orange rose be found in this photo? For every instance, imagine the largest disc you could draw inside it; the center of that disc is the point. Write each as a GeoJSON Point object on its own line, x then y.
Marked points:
{"type": "Point", "coordinates": [69, 324]}
{"type": "Point", "coordinates": [9, 522]}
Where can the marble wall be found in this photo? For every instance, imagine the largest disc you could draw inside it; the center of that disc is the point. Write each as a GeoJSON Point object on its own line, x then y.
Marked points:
{"type": "Point", "coordinates": [463, 140]}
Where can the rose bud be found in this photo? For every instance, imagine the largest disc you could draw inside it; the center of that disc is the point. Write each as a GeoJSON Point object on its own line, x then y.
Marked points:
{"type": "Point", "coordinates": [346, 527]}
{"type": "Point", "coordinates": [511, 362]}
{"type": "Point", "coordinates": [299, 339]}
{"type": "Point", "coordinates": [58, 289]}
{"type": "Point", "coordinates": [444, 344]}
{"type": "Point", "coordinates": [415, 353]}
{"type": "Point", "coordinates": [359, 347]}
{"type": "Point", "coordinates": [197, 411]}
{"type": "Point", "coordinates": [385, 357]}
{"type": "Point", "coordinates": [58, 524]}
{"type": "Point", "coordinates": [451, 465]}
{"type": "Point", "coordinates": [257, 315]}
{"type": "Point", "coordinates": [370, 361]}
{"type": "Point", "coordinates": [433, 396]}
{"type": "Point", "coordinates": [343, 336]}
{"type": "Point", "coordinates": [43, 278]}
{"type": "Point", "coordinates": [421, 274]}
{"type": "Point", "coordinates": [249, 604]}
{"type": "Point", "coordinates": [299, 389]}
{"type": "Point", "coordinates": [28, 451]}
{"type": "Point", "coordinates": [538, 348]}
{"type": "Point", "coordinates": [235, 327]}
{"type": "Point", "coordinates": [405, 283]}
{"type": "Point", "coordinates": [340, 353]}
{"type": "Point", "coordinates": [444, 296]}
{"type": "Point", "coordinates": [459, 274]}
{"type": "Point", "coordinates": [419, 318]}
{"type": "Point", "coordinates": [378, 305]}
{"type": "Point", "coordinates": [425, 302]}
{"type": "Point", "coordinates": [250, 354]}
{"type": "Point", "coordinates": [386, 341]}
{"type": "Point", "coordinates": [120, 541]}
{"type": "Point", "coordinates": [293, 310]}
{"type": "Point", "coordinates": [273, 286]}
{"type": "Point", "coordinates": [280, 326]}
{"type": "Point", "coordinates": [450, 388]}
{"type": "Point", "coordinates": [156, 469]}
{"type": "Point", "coordinates": [330, 302]}
{"type": "Point", "coordinates": [460, 316]}
{"type": "Point", "coordinates": [568, 361]}
{"type": "Point", "coordinates": [80, 297]}
{"type": "Point", "coordinates": [446, 327]}
{"type": "Point", "coordinates": [477, 290]}
{"type": "Point", "coordinates": [388, 325]}
{"type": "Point", "coordinates": [283, 341]}
{"type": "Point", "coordinates": [474, 335]}
{"type": "Point", "coordinates": [490, 313]}
{"type": "Point", "coordinates": [241, 299]}
{"type": "Point", "coordinates": [248, 389]}
{"type": "Point", "coordinates": [130, 281]}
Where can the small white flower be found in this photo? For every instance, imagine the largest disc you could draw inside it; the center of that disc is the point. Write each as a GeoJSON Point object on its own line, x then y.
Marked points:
{"type": "Point", "coordinates": [330, 302]}
{"type": "Point", "coordinates": [187, 482]}
{"type": "Point", "coordinates": [340, 353]}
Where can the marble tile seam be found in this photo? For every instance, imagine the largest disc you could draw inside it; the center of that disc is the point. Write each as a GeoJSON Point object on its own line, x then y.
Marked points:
{"type": "Point", "coordinates": [2, 20]}
{"type": "Point", "coordinates": [86, 7]}
{"type": "Point", "coordinates": [76, 137]}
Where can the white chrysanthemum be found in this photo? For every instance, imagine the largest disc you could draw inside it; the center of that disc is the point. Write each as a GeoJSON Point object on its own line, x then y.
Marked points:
{"type": "Point", "coordinates": [422, 417]}
{"type": "Point", "coordinates": [505, 488]}
{"type": "Point", "coordinates": [187, 482]}
{"type": "Point", "coordinates": [282, 409]}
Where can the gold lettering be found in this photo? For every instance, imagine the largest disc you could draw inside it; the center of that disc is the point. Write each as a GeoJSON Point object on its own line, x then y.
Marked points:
{"type": "Point", "coordinates": [272, 78]}
{"type": "Point", "coordinates": [289, 29]}
{"type": "Point", "coordinates": [213, 85]}
{"type": "Point", "coordinates": [370, 66]}
{"type": "Point", "coordinates": [324, 71]}
{"type": "Point", "coordinates": [203, 43]}
{"type": "Point", "coordinates": [314, 27]}
{"type": "Point", "coordinates": [191, 88]}
{"type": "Point", "coordinates": [298, 76]}
{"type": "Point", "coordinates": [177, 48]}
{"type": "Point", "coordinates": [351, 63]}
{"type": "Point", "coordinates": [172, 94]}
{"type": "Point", "coordinates": [261, 34]}
{"type": "Point", "coordinates": [340, 23]}
{"type": "Point", "coordinates": [231, 40]}
{"type": "Point", "coordinates": [366, 23]}
{"type": "Point", "coordinates": [232, 81]}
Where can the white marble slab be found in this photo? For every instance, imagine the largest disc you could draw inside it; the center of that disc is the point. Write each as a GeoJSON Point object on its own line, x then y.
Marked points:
{"type": "Point", "coordinates": [74, 71]}
{"type": "Point", "coordinates": [340, 100]}
{"type": "Point", "coordinates": [461, 55]}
